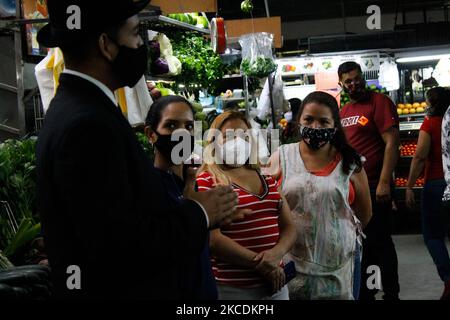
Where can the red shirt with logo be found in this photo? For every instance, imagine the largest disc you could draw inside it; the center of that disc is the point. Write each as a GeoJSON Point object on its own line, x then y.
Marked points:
{"type": "Point", "coordinates": [434, 168]}
{"type": "Point", "coordinates": [364, 124]}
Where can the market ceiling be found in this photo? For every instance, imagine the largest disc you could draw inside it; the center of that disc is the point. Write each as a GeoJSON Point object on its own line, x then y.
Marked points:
{"type": "Point", "coordinates": [300, 10]}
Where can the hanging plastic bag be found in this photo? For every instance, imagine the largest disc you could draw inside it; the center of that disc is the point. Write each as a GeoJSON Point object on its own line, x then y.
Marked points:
{"type": "Point", "coordinates": [257, 57]}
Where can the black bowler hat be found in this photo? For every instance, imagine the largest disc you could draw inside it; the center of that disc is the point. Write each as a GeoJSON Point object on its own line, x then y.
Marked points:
{"type": "Point", "coordinates": [71, 20]}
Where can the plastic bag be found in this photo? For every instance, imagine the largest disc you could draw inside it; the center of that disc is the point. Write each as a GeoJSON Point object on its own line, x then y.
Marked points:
{"type": "Point", "coordinates": [257, 57]}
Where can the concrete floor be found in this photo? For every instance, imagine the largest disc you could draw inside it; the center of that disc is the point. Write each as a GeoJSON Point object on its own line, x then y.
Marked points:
{"type": "Point", "coordinates": [419, 279]}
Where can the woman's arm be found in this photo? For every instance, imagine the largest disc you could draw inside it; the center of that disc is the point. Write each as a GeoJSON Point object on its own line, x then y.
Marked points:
{"type": "Point", "coordinates": [363, 203]}
{"type": "Point", "coordinates": [288, 235]}
{"type": "Point", "coordinates": [229, 250]}
{"type": "Point", "coordinates": [269, 261]}
{"type": "Point", "coordinates": [417, 165]}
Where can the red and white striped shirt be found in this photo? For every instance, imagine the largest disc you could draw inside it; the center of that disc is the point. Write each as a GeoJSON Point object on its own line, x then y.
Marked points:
{"type": "Point", "coordinates": [257, 232]}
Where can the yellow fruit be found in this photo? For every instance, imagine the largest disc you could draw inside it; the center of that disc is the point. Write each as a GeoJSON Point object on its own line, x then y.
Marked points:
{"type": "Point", "coordinates": [416, 105]}
{"type": "Point", "coordinates": [405, 111]}
{"type": "Point", "coordinates": [408, 106]}
{"type": "Point", "coordinates": [420, 110]}
{"type": "Point", "coordinates": [424, 105]}
{"type": "Point", "coordinates": [412, 110]}
{"type": "Point", "coordinates": [399, 111]}
{"type": "Point", "coordinates": [401, 106]}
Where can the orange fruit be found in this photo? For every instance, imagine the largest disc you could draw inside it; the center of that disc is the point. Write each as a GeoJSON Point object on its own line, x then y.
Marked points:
{"type": "Point", "coordinates": [401, 106]}
{"type": "Point", "coordinates": [424, 105]}
{"type": "Point", "coordinates": [408, 106]}
{"type": "Point", "coordinates": [416, 105]}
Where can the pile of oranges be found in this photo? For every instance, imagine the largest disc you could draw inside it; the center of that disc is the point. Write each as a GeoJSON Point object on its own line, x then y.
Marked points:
{"type": "Point", "coordinates": [408, 148]}
{"type": "Point", "coordinates": [409, 108]}
{"type": "Point", "coordinates": [403, 182]}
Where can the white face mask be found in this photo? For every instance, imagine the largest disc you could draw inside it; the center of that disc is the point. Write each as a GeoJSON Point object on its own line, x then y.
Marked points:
{"type": "Point", "coordinates": [234, 153]}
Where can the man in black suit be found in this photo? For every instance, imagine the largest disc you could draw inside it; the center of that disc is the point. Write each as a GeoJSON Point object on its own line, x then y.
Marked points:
{"type": "Point", "coordinates": [103, 206]}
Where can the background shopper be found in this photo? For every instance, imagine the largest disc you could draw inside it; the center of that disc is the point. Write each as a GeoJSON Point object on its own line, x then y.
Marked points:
{"type": "Point", "coordinates": [428, 157]}
{"type": "Point", "coordinates": [371, 125]}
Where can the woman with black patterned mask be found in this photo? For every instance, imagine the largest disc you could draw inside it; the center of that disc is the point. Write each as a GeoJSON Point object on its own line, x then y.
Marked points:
{"type": "Point", "coordinates": [325, 184]}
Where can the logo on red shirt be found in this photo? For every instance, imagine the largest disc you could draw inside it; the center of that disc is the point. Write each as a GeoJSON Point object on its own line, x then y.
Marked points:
{"type": "Point", "coordinates": [348, 122]}
{"type": "Point", "coordinates": [353, 121]}
{"type": "Point", "coordinates": [363, 121]}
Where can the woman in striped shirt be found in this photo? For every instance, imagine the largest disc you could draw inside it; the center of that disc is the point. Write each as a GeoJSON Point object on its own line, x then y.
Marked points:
{"type": "Point", "coordinates": [247, 255]}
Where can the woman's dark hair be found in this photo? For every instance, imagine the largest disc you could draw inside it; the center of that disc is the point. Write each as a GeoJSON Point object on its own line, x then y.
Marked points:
{"type": "Point", "coordinates": [155, 113]}
{"type": "Point", "coordinates": [439, 99]}
{"type": "Point", "coordinates": [295, 106]}
{"type": "Point", "coordinates": [349, 155]}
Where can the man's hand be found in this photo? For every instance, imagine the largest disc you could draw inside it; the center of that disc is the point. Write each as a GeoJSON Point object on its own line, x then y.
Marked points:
{"type": "Point", "coordinates": [383, 192]}
{"type": "Point", "coordinates": [220, 203]}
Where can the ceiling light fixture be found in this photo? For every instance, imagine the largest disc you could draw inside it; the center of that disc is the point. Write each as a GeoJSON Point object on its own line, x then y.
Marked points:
{"type": "Point", "coordinates": [422, 58]}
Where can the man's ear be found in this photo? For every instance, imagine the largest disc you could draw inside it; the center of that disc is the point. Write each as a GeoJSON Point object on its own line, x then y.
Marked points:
{"type": "Point", "coordinates": [150, 134]}
{"type": "Point", "coordinates": [107, 47]}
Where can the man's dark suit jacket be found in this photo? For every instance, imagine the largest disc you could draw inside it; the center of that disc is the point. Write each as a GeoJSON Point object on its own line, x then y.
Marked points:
{"type": "Point", "coordinates": [104, 207]}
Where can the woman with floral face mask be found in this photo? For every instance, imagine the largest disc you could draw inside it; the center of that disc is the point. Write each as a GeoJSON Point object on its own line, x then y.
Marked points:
{"type": "Point", "coordinates": [325, 185]}
{"type": "Point", "coordinates": [247, 255]}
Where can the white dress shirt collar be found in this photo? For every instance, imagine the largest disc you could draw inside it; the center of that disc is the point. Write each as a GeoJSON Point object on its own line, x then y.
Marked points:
{"type": "Point", "coordinates": [94, 81]}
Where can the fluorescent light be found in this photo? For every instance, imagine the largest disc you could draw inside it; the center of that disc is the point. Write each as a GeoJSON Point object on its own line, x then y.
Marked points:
{"type": "Point", "coordinates": [423, 58]}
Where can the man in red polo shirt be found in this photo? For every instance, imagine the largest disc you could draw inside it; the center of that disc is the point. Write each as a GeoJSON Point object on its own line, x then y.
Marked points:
{"type": "Point", "coordinates": [372, 128]}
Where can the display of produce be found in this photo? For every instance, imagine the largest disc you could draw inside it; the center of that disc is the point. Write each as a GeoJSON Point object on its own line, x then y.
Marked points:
{"type": "Point", "coordinates": [19, 222]}
{"type": "Point", "coordinates": [257, 56]}
{"type": "Point", "coordinates": [194, 19]}
{"type": "Point", "coordinates": [260, 67]}
{"type": "Point", "coordinates": [162, 60]}
{"type": "Point", "coordinates": [408, 148]}
{"type": "Point", "coordinates": [403, 182]}
{"type": "Point", "coordinates": [202, 67]}
{"type": "Point", "coordinates": [415, 108]}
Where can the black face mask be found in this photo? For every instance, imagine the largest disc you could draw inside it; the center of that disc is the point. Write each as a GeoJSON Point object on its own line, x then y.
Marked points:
{"type": "Point", "coordinates": [358, 92]}
{"type": "Point", "coordinates": [316, 139]}
{"type": "Point", "coordinates": [130, 64]}
{"type": "Point", "coordinates": [165, 146]}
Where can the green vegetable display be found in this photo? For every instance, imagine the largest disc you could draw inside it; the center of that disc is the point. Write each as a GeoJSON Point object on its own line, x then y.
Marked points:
{"type": "Point", "coordinates": [260, 68]}
{"type": "Point", "coordinates": [202, 67]}
{"type": "Point", "coordinates": [18, 190]}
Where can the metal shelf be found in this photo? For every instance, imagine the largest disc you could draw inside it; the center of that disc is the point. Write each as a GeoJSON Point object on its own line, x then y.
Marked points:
{"type": "Point", "coordinates": [149, 17]}
{"type": "Point", "coordinates": [235, 76]}
{"type": "Point", "coordinates": [159, 79]}
{"type": "Point", "coordinates": [413, 115]}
